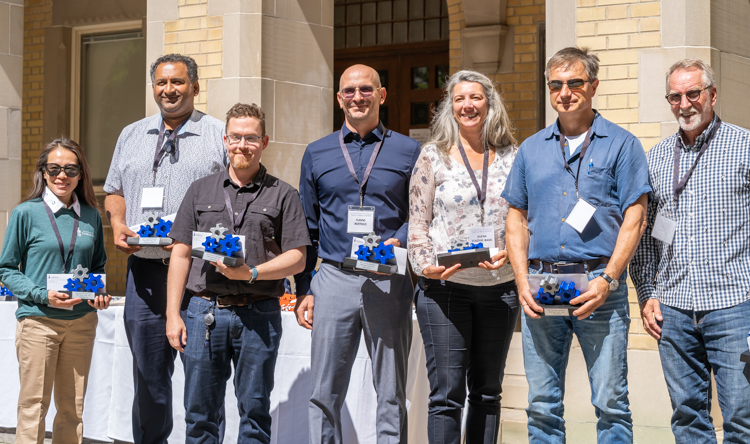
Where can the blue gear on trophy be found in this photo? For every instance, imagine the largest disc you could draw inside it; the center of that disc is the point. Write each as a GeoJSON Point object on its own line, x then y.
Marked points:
{"type": "Point", "coordinates": [230, 244]}
{"type": "Point", "coordinates": [363, 253]}
{"type": "Point", "coordinates": [4, 291]}
{"type": "Point", "coordinates": [145, 231]}
{"type": "Point", "coordinates": [217, 232]}
{"type": "Point", "coordinates": [94, 283]}
{"type": "Point", "coordinates": [210, 244]}
{"type": "Point", "coordinates": [80, 273]}
{"type": "Point", "coordinates": [371, 240]}
{"type": "Point", "coordinates": [163, 228]}
{"type": "Point", "coordinates": [544, 297]}
{"type": "Point", "coordinates": [152, 219]}
{"type": "Point", "coordinates": [567, 292]}
{"type": "Point", "coordinates": [383, 253]}
{"type": "Point", "coordinates": [473, 246]}
{"type": "Point", "coordinates": [73, 285]}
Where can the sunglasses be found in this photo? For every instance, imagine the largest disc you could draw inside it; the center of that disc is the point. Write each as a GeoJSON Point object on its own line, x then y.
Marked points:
{"type": "Point", "coordinates": [692, 96]}
{"type": "Point", "coordinates": [54, 170]}
{"type": "Point", "coordinates": [364, 91]}
{"type": "Point", "coordinates": [573, 84]}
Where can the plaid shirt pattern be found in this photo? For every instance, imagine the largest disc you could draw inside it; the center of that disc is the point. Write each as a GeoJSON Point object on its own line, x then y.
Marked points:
{"type": "Point", "coordinates": [707, 267]}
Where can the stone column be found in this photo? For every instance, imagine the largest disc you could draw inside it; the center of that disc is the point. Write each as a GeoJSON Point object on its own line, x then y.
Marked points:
{"type": "Point", "coordinates": [276, 53]}
{"type": "Point", "coordinates": [11, 81]}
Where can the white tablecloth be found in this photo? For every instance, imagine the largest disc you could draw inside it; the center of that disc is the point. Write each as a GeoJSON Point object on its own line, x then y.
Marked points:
{"type": "Point", "coordinates": [109, 398]}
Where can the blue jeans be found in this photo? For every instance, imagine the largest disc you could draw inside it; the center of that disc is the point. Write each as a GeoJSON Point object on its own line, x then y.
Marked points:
{"type": "Point", "coordinates": [604, 341]}
{"type": "Point", "coordinates": [245, 337]}
{"type": "Point", "coordinates": [467, 332]}
{"type": "Point", "coordinates": [692, 345]}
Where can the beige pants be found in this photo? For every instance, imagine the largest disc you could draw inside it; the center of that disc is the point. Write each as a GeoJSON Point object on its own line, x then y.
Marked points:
{"type": "Point", "coordinates": [58, 352]}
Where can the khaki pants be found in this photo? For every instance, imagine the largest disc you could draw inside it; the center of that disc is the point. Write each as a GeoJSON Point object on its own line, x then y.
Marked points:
{"type": "Point", "coordinates": [58, 352]}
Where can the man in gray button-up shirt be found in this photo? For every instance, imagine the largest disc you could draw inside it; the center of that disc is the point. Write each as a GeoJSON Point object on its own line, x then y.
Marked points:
{"type": "Point", "coordinates": [148, 162]}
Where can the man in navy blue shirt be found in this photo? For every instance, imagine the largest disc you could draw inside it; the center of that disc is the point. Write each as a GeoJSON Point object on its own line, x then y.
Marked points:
{"type": "Point", "coordinates": [362, 168]}
{"type": "Point", "coordinates": [582, 164]}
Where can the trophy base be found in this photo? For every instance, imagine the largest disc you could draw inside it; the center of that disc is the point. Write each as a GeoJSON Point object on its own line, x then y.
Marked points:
{"type": "Point", "coordinates": [150, 241]}
{"type": "Point", "coordinates": [745, 356]}
{"type": "Point", "coordinates": [558, 310]}
{"type": "Point", "coordinates": [229, 261]}
{"type": "Point", "coordinates": [467, 258]}
{"type": "Point", "coordinates": [358, 265]}
{"type": "Point", "coordinates": [84, 295]}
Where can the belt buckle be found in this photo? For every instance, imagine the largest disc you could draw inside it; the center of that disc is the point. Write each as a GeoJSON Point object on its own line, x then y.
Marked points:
{"type": "Point", "coordinates": [556, 267]}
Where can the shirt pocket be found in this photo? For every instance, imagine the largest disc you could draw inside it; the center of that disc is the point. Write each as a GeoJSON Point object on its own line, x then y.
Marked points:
{"type": "Point", "coordinates": [209, 215]}
{"type": "Point", "coordinates": [600, 186]}
{"type": "Point", "coordinates": [263, 225]}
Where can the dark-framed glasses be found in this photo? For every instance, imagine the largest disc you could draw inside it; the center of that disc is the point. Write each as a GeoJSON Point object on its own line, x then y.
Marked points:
{"type": "Point", "coordinates": [70, 169]}
{"type": "Point", "coordinates": [573, 84]}
{"type": "Point", "coordinates": [693, 96]}
{"type": "Point", "coordinates": [250, 139]}
{"type": "Point", "coordinates": [364, 91]}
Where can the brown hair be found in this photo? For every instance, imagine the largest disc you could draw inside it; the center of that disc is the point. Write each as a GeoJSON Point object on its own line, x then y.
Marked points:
{"type": "Point", "coordinates": [85, 188]}
{"type": "Point", "coordinates": [240, 110]}
{"type": "Point", "coordinates": [568, 56]}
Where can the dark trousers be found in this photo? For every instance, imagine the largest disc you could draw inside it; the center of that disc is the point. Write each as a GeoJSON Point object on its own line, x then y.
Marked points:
{"type": "Point", "coordinates": [153, 357]}
{"type": "Point", "coordinates": [467, 332]}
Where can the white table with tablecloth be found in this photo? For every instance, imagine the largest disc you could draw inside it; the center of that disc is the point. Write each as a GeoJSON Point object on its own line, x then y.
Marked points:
{"type": "Point", "coordinates": [107, 408]}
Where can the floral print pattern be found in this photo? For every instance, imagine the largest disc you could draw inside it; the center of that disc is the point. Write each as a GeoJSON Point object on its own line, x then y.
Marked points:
{"type": "Point", "coordinates": [443, 206]}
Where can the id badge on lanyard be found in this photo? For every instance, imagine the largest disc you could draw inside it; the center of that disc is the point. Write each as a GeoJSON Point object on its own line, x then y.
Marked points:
{"type": "Point", "coordinates": [360, 219]}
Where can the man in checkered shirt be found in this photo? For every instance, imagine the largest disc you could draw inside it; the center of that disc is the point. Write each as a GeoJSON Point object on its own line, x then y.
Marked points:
{"type": "Point", "coordinates": [692, 267]}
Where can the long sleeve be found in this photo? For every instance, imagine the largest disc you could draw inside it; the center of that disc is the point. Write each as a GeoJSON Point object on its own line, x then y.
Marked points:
{"type": "Point", "coordinates": [646, 259]}
{"type": "Point", "coordinates": [421, 197]}
{"type": "Point", "coordinates": [13, 254]}
{"type": "Point", "coordinates": [311, 207]}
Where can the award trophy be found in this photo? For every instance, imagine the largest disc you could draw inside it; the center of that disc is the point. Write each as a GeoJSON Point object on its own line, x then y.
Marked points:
{"type": "Point", "coordinates": [373, 256]}
{"type": "Point", "coordinates": [220, 247]}
{"type": "Point", "coordinates": [467, 254]}
{"type": "Point", "coordinates": [153, 233]}
{"type": "Point", "coordinates": [555, 295]}
{"type": "Point", "coordinates": [80, 284]}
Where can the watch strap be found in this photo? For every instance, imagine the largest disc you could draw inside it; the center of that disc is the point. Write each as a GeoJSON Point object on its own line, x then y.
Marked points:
{"type": "Point", "coordinates": [255, 275]}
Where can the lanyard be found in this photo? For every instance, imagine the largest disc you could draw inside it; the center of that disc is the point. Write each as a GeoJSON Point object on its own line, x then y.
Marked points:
{"type": "Point", "coordinates": [481, 192]}
{"type": "Point", "coordinates": [581, 156]}
{"type": "Point", "coordinates": [679, 187]}
{"type": "Point", "coordinates": [236, 218]}
{"type": "Point", "coordinates": [59, 238]}
{"type": "Point", "coordinates": [368, 170]}
{"type": "Point", "coordinates": [161, 147]}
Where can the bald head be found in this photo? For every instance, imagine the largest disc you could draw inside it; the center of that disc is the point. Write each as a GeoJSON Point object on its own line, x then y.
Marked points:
{"type": "Point", "coordinates": [360, 73]}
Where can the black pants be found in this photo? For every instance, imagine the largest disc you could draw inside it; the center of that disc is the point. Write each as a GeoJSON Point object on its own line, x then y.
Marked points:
{"type": "Point", "coordinates": [467, 332]}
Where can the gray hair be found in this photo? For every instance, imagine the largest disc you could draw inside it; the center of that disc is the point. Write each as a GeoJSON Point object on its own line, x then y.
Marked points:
{"type": "Point", "coordinates": [497, 129]}
{"type": "Point", "coordinates": [192, 67]}
{"type": "Point", "coordinates": [568, 56]}
{"type": "Point", "coordinates": [708, 73]}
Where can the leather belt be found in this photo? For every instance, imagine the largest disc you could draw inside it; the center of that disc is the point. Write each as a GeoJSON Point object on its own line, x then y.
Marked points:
{"type": "Point", "coordinates": [569, 267]}
{"type": "Point", "coordinates": [338, 265]}
{"type": "Point", "coordinates": [227, 300]}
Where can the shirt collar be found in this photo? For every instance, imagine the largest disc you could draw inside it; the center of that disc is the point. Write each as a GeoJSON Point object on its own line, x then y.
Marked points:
{"type": "Point", "coordinates": [378, 132]}
{"type": "Point", "coordinates": [700, 139]}
{"type": "Point", "coordinates": [56, 204]}
{"type": "Point", "coordinates": [257, 180]}
{"type": "Point", "coordinates": [190, 126]}
{"type": "Point", "coordinates": [599, 127]}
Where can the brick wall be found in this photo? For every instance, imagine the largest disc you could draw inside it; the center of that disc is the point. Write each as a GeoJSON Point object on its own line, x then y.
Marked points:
{"type": "Point", "coordinates": [37, 15]}
{"type": "Point", "coordinates": [199, 36]}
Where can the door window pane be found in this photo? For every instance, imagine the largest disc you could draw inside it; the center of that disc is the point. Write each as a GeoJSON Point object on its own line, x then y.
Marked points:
{"type": "Point", "coordinates": [420, 113]}
{"type": "Point", "coordinates": [432, 29]}
{"type": "Point", "coordinates": [368, 35]}
{"type": "Point", "coordinates": [112, 86]}
{"type": "Point", "coordinates": [420, 78]}
{"type": "Point", "coordinates": [368, 13]}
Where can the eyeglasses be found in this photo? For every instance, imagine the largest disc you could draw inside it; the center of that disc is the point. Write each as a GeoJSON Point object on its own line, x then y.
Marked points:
{"type": "Point", "coordinates": [364, 91]}
{"type": "Point", "coordinates": [692, 96]}
{"type": "Point", "coordinates": [54, 169]}
{"type": "Point", "coordinates": [250, 139]}
{"type": "Point", "coordinates": [573, 84]}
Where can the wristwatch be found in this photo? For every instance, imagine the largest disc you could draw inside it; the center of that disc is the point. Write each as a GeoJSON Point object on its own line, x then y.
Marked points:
{"type": "Point", "coordinates": [255, 275]}
{"type": "Point", "coordinates": [613, 283]}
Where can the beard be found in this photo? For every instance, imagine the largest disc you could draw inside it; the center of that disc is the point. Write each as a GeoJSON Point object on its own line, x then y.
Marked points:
{"type": "Point", "coordinates": [692, 122]}
{"type": "Point", "coordinates": [241, 162]}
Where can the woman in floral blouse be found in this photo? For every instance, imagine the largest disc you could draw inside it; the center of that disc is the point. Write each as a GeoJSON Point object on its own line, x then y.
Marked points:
{"type": "Point", "coordinates": [466, 316]}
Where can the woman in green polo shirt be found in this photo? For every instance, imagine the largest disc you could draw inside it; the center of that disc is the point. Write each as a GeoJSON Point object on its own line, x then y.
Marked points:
{"type": "Point", "coordinates": [53, 230]}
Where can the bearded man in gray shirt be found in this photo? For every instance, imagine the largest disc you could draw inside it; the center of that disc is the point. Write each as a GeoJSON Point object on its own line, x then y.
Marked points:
{"type": "Point", "coordinates": [155, 161]}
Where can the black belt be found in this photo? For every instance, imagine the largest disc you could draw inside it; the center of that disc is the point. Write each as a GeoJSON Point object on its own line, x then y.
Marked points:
{"type": "Point", "coordinates": [338, 265]}
{"type": "Point", "coordinates": [230, 300]}
{"type": "Point", "coordinates": [569, 267]}
{"type": "Point", "coordinates": [162, 261]}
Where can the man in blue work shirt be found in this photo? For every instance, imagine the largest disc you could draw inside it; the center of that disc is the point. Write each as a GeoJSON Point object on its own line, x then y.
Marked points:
{"type": "Point", "coordinates": [582, 164]}
{"type": "Point", "coordinates": [366, 167]}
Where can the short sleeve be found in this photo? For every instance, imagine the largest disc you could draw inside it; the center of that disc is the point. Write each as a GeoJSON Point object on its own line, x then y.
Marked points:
{"type": "Point", "coordinates": [515, 187]}
{"type": "Point", "coordinates": [631, 174]}
{"type": "Point", "coordinates": [185, 221]}
{"type": "Point", "coordinates": [294, 232]}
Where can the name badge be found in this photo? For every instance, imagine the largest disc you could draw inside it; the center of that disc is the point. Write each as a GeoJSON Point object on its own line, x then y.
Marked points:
{"type": "Point", "coordinates": [581, 215]}
{"type": "Point", "coordinates": [485, 235]}
{"type": "Point", "coordinates": [664, 229]}
{"type": "Point", "coordinates": [361, 220]}
{"type": "Point", "coordinates": [152, 197]}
